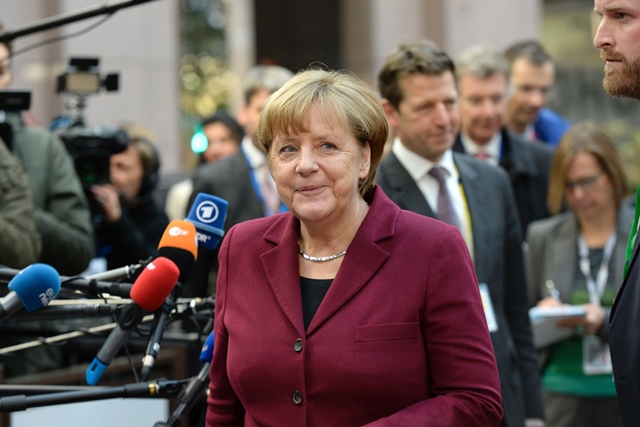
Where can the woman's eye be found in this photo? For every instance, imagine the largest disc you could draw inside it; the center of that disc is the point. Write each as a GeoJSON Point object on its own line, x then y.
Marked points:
{"type": "Point", "coordinates": [287, 149]}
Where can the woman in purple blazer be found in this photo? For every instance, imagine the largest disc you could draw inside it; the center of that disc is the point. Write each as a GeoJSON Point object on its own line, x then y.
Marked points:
{"type": "Point", "coordinates": [345, 311]}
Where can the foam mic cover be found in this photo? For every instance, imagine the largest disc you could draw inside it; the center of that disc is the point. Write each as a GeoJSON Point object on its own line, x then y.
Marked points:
{"type": "Point", "coordinates": [206, 353]}
{"type": "Point", "coordinates": [208, 213]}
{"type": "Point", "coordinates": [36, 285]}
{"type": "Point", "coordinates": [155, 283]}
{"type": "Point", "coordinates": [178, 243]}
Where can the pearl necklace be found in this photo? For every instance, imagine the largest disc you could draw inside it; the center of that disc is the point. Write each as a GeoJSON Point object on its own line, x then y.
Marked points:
{"type": "Point", "coordinates": [320, 259]}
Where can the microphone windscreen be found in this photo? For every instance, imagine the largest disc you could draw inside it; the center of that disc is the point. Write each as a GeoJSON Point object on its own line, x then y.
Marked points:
{"type": "Point", "coordinates": [36, 285]}
{"type": "Point", "coordinates": [208, 213]}
{"type": "Point", "coordinates": [155, 283]}
{"type": "Point", "coordinates": [180, 234]}
{"type": "Point", "coordinates": [183, 259]}
{"type": "Point", "coordinates": [206, 354]}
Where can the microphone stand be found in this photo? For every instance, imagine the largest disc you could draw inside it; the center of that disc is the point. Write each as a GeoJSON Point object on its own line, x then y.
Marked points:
{"type": "Point", "coordinates": [160, 388]}
{"type": "Point", "coordinates": [190, 395]}
{"type": "Point", "coordinates": [67, 18]}
{"type": "Point", "coordinates": [91, 286]}
{"type": "Point", "coordinates": [29, 390]}
{"type": "Point", "coordinates": [64, 337]}
{"type": "Point", "coordinates": [159, 322]}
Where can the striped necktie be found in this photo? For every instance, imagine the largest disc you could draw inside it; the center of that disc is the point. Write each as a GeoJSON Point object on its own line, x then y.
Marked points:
{"type": "Point", "coordinates": [446, 211]}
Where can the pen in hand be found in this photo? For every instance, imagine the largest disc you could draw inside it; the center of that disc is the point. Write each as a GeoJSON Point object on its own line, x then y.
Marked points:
{"type": "Point", "coordinates": [553, 292]}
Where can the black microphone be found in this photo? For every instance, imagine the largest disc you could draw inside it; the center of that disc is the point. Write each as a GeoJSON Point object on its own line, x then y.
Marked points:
{"type": "Point", "coordinates": [178, 243]}
{"type": "Point", "coordinates": [149, 291]}
{"type": "Point", "coordinates": [96, 287]}
{"type": "Point", "coordinates": [196, 386]}
{"type": "Point", "coordinates": [160, 388]}
{"type": "Point", "coordinates": [127, 272]}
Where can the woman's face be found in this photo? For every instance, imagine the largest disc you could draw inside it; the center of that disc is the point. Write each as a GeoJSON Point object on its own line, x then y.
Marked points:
{"type": "Point", "coordinates": [220, 142]}
{"type": "Point", "coordinates": [317, 172]}
{"type": "Point", "coordinates": [589, 190]}
{"type": "Point", "coordinates": [127, 172]}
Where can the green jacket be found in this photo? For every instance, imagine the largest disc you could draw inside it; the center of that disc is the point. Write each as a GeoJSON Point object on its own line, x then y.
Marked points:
{"type": "Point", "coordinates": [62, 212]}
{"type": "Point", "coordinates": [19, 239]}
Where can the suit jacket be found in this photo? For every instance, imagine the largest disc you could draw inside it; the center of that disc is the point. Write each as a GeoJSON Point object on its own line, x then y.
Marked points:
{"type": "Point", "coordinates": [400, 338]}
{"type": "Point", "coordinates": [527, 164]}
{"type": "Point", "coordinates": [552, 253]}
{"type": "Point", "coordinates": [624, 342]}
{"type": "Point", "coordinates": [498, 263]}
{"type": "Point", "coordinates": [230, 180]}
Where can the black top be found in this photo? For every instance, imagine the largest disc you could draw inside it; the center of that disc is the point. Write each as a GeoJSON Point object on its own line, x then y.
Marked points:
{"type": "Point", "coordinates": [313, 292]}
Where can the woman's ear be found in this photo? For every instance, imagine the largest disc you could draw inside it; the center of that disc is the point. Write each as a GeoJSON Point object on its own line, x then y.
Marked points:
{"type": "Point", "coordinates": [365, 160]}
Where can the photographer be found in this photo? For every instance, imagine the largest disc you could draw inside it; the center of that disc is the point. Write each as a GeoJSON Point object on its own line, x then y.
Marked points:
{"type": "Point", "coordinates": [131, 223]}
{"type": "Point", "coordinates": [61, 209]}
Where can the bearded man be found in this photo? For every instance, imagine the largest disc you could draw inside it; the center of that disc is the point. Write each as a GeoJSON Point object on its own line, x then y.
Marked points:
{"type": "Point", "coordinates": [618, 38]}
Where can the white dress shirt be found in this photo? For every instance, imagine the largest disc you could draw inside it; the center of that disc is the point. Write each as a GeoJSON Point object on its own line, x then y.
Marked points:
{"type": "Point", "coordinates": [418, 167]}
{"type": "Point", "coordinates": [491, 148]}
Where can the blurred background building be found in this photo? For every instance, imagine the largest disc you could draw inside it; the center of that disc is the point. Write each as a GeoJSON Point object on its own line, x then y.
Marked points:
{"type": "Point", "coordinates": [180, 60]}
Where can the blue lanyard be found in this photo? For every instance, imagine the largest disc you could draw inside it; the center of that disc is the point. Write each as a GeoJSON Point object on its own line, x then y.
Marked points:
{"type": "Point", "coordinates": [256, 188]}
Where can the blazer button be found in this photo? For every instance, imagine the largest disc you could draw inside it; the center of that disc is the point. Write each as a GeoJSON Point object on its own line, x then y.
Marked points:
{"type": "Point", "coordinates": [297, 345]}
{"type": "Point", "coordinates": [297, 397]}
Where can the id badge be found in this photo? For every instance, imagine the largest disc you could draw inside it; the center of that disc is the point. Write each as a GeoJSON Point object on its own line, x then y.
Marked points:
{"type": "Point", "coordinates": [596, 358]}
{"type": "Point", "coordinates": [488, 308]}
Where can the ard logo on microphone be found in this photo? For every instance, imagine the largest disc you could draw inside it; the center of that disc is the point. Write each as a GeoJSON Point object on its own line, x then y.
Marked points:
{"type": "Point", "coordinates": [47, 296]}
{"type": "Point", "coordinates": [207, 212]}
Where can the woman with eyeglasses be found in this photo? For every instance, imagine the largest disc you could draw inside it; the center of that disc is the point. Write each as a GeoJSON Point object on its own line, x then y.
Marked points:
{"type": "Point", "coordinates": [576, 257]}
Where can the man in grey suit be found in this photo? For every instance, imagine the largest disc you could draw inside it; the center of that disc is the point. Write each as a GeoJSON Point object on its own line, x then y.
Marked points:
{"type": "Point", "coordinates": [482, 74]}
{"type": "Point", "coordinates": [418, 87]}
{"type": "Point", "coordinates": [241, 179]}
{"type": "Point", "coordinates": [618, 38]}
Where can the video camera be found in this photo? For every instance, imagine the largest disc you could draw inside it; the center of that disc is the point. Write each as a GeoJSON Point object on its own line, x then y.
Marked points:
{"type": "Point", "coordinates": [11, 101]}
{"type": "Point", "coordinates": [90, 148]}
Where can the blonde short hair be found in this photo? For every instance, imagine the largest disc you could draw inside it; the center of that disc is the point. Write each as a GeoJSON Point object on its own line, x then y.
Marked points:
{"type": "Point", "coordinates": [340, 96]}
{"type": "Point", "coordinates": [585, 137]}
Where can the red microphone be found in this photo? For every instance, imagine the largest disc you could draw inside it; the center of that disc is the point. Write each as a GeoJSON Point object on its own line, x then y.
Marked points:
{"type": "Point", "coordinates": [150, 291]}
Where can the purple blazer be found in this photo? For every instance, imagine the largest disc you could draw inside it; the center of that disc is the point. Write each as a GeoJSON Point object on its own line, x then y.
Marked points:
{"type": "Point", "coordinates": [400, 338]}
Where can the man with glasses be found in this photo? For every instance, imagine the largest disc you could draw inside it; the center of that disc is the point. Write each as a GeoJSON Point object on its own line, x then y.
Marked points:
{"type": "Point", "coordinates": [618, 38]}
{"type": "Point", "coordinates": [532, 75]}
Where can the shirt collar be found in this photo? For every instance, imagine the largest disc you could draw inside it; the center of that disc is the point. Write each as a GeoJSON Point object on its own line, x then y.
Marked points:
{"type": "Point", "coordinates": [418, 166]}
{"type": "Point", "coordinates": [255, 156]}
{"type": "Point", "coordinates": [491, 148]}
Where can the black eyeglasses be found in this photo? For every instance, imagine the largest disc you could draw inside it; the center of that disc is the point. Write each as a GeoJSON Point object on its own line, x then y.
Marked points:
{"type": "Point", "coordinates": [585, 183]}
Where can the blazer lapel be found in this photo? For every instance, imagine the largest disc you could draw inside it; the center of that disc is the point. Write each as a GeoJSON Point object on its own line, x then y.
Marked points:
{"type": "Point", "coordinates": [363, 259]}
{"type": "Point", "coordinates": [280, 265]}
{"type": "Point", "coordinates": [562, 257]}
{"type": "Point", "coordinates": [479, 209]}
{"type": "Point", "coordinates": [401, 188]}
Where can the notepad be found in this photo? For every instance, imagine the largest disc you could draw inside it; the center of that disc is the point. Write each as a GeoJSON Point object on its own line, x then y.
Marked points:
{"type": "Point", "coordinates": [543, 323]}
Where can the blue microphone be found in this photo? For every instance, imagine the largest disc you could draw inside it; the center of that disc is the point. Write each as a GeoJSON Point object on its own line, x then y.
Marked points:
{"type": "Point", "coordinates": [208, 213]}
{"type": "Point", "coordinates": [32, 288]}
{"type": "Point", "coordinates": [206, 353]}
